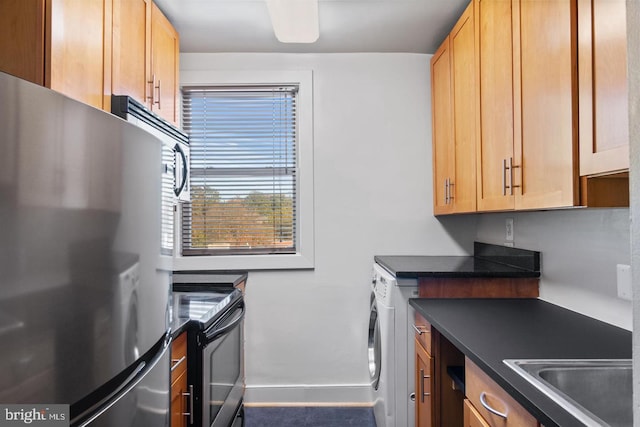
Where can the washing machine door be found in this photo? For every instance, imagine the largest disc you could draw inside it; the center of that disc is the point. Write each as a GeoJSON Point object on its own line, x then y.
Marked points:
{"type": "Point", "coordinates": [374, 346]}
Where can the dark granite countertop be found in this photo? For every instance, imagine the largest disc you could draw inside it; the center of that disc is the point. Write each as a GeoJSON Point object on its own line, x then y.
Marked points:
{"type": "Point", "coordinates": [190, 281]}
{"type": "Point", "coordinates": [487, 261]}
{"type": "Point", "coordinates": [490, 330]}
{"type": "Point", "coordinates": [178, 325]}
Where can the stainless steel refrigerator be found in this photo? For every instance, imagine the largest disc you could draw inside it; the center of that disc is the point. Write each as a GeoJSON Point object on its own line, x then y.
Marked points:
{"type": "Point", "coordinates": [84, 288]}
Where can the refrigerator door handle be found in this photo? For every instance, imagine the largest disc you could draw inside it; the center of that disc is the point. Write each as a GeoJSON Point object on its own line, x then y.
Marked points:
{"type": "Point", "coordinates": [132, 380]}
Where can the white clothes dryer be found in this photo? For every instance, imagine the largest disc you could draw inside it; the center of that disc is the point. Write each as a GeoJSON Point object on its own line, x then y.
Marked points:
{"type": "Point", "coordinates": [390, 348]}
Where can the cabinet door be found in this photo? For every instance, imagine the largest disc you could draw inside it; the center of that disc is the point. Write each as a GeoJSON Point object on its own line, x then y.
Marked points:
{"type": "Point", "coordinates": [442, 116]}
{"type": "Point", "coordinates": [22, 39]}
{"type": "Point", "coordinates": [463, 73]}
{"type": "Point", "coordinates": [604, 113]}
{"type": "Point", "coordinates": [546, 155]}
{"type": "Point", "coordinates": [485, 393]}
{"type": "Point", "coordinates": [495, 146]}
{"type": "Point", "coordinates": [164, 65]}
{"type": "Point", "coordinates": [78, 60]}
{"type": "Point", "coordinates": [424, 387]}
{"type": "Point", "coordinates": [471, 417]}
{"type": "Point", "coordinates": [131, 48]}
{"type": "Point", "coordinates": [179, 405]}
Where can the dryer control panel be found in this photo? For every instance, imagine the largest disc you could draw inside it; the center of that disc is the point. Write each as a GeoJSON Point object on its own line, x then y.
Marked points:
{"type": "Point", "coordinates": [382, 285]}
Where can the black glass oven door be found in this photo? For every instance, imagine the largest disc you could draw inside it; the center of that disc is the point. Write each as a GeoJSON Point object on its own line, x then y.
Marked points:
{"type": "Point", "coordinates": [223, 382]}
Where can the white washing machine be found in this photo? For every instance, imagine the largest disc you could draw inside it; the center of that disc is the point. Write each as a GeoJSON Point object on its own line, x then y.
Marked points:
{"type": "Point", "coordinates": [391, 358]}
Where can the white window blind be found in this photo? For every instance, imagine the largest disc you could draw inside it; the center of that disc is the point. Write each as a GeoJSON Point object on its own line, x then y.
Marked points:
{"type": "Point", "coordinates": [243, 170]}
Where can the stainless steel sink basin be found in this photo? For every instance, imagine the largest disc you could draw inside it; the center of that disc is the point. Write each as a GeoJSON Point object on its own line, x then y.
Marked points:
{"type": "Point", "coordinates": [597, 392]}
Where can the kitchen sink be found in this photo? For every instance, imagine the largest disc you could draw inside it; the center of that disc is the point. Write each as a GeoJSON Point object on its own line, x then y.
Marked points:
{"type": "Point", "coordinates": [596, 392]}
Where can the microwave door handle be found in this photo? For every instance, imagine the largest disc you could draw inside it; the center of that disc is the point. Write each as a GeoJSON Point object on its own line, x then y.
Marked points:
{"type": "Point", "coordinates": [211, 336]}
{"type": "Point", "coordinates": [178, 189]}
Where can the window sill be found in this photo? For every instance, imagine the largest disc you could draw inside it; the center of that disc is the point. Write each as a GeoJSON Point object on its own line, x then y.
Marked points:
{"type": "Point", "coordinates": [244, 262]}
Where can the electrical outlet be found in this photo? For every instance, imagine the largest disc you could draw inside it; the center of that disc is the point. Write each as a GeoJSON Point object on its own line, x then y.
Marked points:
{"type": "Point", "coordinates": [623, 275]}
{"type": "Point", "coordinates": [509, 231]}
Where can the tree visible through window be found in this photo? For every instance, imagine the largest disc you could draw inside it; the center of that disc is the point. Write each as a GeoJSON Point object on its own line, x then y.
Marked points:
{"type": "Point", "coordinates": [243, 170]}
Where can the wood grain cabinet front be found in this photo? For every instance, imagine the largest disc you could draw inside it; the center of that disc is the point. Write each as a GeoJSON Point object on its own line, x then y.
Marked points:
{"type": "Point", "coordinates": [89, 50]}
{"type": "Point", "coordinates": [527, 145]}
{"type": "Point", "coordinates": [549, 91]}
{"type": "Point", "coordinates": [165, 44]}
{"type": "Point", "coordinates": [180, 401]}
{"type": "Point", "coordinates": [454, 126]}
{"type": "Point", "coordinates": [437, 402]}
{"type": "Point", "coordinates": [131, 49]}
{"type": "Point", "coordinates": [493, 406]}
{"type": "Point", "coordinates": [425, 387]}
{"type": "Point", "coordinates": [471, 417]}
{"type": "Point", "coordinates": [64, 45]}
{"type": "Point", "coordinates": [603, 91]}
{"type": "Point", "coordinates": [181, 392]}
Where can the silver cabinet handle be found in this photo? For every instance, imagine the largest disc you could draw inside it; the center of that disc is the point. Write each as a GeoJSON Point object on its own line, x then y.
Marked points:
{"type": "Point", "coordinates": [190, 413]}
{"type": "Point", "coordinates": [159, 96]}
{"type": "Point", "coordinates": [451, 184]}
{"type": "Point", "coordinates": [483, 401]}
{"type": "Point", "coordinates": [504, 177]}
{"type": "Point", "coordinates": [420, 331]}
{"type": "Point", "coordinates": [422, 378]}
{"type": "Point", "coordinates": [446, 191]}
{"type": "Point", "coordinates": [177, 362]}
{"type": "Point", "coordinates": [511, 168]}
{"type": "Point", "coordinates": [153, 88]}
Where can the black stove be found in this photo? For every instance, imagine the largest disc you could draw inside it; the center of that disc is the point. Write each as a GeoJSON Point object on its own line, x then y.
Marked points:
{"type": "Point", "coordinates": [213, 319]}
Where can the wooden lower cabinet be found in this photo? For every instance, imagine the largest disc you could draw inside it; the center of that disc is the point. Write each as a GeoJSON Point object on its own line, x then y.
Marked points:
{"type": "Point", "coordinates": [471, 417]}
{"type": "Point", "coordinates": [179, 397]}
{"type": "Point", "coordinates": [484, 393]}
{"type": "Point", "coordinates": [180, 390]}
{"type": "Point", "coordinates": [424, 381]}
{"type": "Point", "coordinates": [438, 401]}
{"type": "Point", "coordinates": [439, 364]}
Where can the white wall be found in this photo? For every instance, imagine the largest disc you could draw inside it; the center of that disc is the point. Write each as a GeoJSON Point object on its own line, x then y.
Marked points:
{"type": "Point", "coordinates": [580, 249]}
{"type": "Point", "coordinates": [306, 330]}
{"type": "Point", "coordinates": [633, 50]}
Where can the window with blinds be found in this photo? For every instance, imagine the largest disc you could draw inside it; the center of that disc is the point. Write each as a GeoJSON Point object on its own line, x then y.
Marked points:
{"type": "Point", "coordinates": [243, 143]}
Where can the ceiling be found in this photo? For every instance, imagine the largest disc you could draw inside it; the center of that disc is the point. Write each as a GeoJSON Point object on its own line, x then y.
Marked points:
{"type": "Point", "coordinates": [416, 26]}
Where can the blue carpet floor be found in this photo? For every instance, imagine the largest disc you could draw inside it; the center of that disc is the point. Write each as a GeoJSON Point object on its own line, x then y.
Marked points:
{"type": "Point", "coordinates": [308, 417]}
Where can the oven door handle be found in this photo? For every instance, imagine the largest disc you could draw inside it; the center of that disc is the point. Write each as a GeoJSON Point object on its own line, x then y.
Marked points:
{"type": "Point", "coordinates": [216, 332]}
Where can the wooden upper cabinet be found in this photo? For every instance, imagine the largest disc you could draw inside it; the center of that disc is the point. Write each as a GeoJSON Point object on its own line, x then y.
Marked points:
{"type": "Point", "coordinates": [165, 45]}
{"type": "Point", "coordinates": [131, 48]}
{"type": "Point", "coordinates": [463, 65]}
{"type": "Point", "coordinates": [545, 148]}
{"type": "Point", "coordinates": [527, 155]}
{"type": "Point", "coordinates": [78, 50]}
{"type": "Point", "coordinates": [64, 45]}
{"type": "Point", "coordinates": [442, 128]}
{"type": "Point", "coordinates": [454, 119]}
{"type": "Point", "coordinates": [604, 113]}
{"type": "Point", "coordinates": [89, 50]}
{"type": "Point", "coordinates": [494, 153]}
{"type": "Point", "coordinates": [22, 39]}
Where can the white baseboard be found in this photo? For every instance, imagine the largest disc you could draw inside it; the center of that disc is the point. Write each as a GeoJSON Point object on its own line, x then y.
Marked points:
{"type": "Point", "coordinates": [309, 395]}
